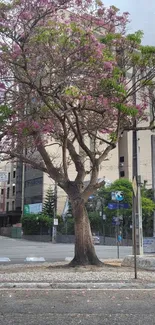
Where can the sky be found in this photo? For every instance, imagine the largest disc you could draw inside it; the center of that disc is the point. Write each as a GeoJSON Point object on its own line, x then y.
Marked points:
{"type": "Point", "coordinates": [142, 16]}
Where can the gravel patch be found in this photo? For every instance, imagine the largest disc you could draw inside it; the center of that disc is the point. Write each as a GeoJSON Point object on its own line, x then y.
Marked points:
{"type": "Point", "coordinates": [56, 273]}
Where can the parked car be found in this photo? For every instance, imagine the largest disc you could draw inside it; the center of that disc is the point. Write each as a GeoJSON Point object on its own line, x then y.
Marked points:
{"type": "Point", "coordinates": [96, 240]}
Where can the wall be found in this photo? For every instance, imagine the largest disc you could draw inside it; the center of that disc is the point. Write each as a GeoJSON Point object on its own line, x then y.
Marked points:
{"type": "Point", "coordinates": [70, 239]}
{"type": "Point", "coordinates": [33, 185]}
{"type": "Point", "coordinates": [149, 245]}
{"type": "Point", "coordinates": [8, 203]}
{"type": "Point", "coordinates": [5, 231]}
{"type": "Point", "coordinates": [40, 238]}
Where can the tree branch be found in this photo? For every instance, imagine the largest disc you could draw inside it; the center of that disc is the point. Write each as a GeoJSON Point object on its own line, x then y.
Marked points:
{"type": "Point", "coordinates": [25, 160]}
{"type": "Point", "coordinates": [54, 172]}
{"type": "Point", "coordinates": [80, 139]}
{"type": "Point", "coordinates": [77, 161]}
{"type": "Point", "coordinates": [105, 153]}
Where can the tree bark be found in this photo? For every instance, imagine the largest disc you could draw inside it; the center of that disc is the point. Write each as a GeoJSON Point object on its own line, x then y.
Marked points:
{"type": "Point", "coordinates": [84, 248]}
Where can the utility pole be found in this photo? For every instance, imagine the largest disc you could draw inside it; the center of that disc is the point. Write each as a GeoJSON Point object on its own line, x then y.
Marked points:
{"type": "Point", "coordinates": [23, 189]}
{"type": "Point", "coordinates": [103, 216]}
{"type": "Point", "coordinates": [117, 229]}
{"type": "Point", "coordinates": [153, 175]}
{"type": "Point", "coordinates": [137, 233]}
{"type": "Point", "coordinates": [54, 230]}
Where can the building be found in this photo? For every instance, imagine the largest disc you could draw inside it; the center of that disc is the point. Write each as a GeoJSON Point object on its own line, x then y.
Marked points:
{"type": "Point", "coordinates": [117, 165]}
{"type": "Point", "coordinates": [8, 188]}
{"type": "Point", "coordinates": [31, 192]}
{"type": "Point", "coordinates": [8, 213]}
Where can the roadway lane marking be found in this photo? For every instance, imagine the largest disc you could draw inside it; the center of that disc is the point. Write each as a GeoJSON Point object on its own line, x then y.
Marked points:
{"type": "Point", "coordinates": [34, 259]}
{"type": "Point", "coordinates": [68, 259]}
{"type": "Point", "coordinates": [4, 259]}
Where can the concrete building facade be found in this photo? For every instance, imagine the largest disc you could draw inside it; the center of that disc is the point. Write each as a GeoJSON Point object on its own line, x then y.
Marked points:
{"type": "Point", "coordinates": [36, 183]}
{"type": "Point", "coordinates": [8, 188]}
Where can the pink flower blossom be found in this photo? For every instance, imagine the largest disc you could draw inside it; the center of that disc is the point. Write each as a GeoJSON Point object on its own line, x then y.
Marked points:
{"type": "Point", "coordinates": [2, 86]}
{"type": "Point", "coordinates": [108, 65]}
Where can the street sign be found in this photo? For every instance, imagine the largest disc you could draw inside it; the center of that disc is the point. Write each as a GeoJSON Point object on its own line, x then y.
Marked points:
{"type": "Point", "coordinates": [134, 186]}
{"type": "Point", "coordinates": [124, 206]}
{"type": "Point", "coordinates": [55, 222]}
{"type": "Point", "coordinates": [113, 196]}
{"type": "Point", "coordinates": [113, 206]}
{"type": "Point", "coordinates": [115, 221]}
{"type": "Point", "coordinates": [33, 208]}
{"type": "Point", "coordinates": [104, 217]}
{"type": "Point", "coordinates": [3, 176]}
{"type": "Point", "coordinates": [119, 196]}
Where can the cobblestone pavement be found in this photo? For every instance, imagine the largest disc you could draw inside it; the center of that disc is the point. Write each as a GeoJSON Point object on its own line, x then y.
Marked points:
{"type": "Point", "coordinates": [56, 272]}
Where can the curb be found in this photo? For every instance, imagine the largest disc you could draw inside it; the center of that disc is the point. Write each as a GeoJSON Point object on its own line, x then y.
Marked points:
{"type": "Point", "coordinates": [80, 285]}
{"type": "Point", "coordinates": [143, 262]}
{"type": "Point", "coordinates": [109, 262]}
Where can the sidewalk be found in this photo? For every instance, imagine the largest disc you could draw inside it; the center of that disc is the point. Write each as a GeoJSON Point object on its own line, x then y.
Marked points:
{"type": "Point", "coordinates": [58, 275]}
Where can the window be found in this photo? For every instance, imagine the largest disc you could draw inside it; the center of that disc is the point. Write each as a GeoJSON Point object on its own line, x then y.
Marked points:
{"type": "Point", "coordinates": [121, 159]}
{"type": "Point", "coordinates": [8, 192]}
{"type": "Point", "coordinates": [8, 178]}
{"type": "Point", "coordinates": [2, 191]}
{"type": "Point", "coordinates": [33, 199]}
{"type": "Point", "coordinates": [13, 205]}
{"type": "Point", "coordinates": [7, 206]}
{"type": "Point", "coordinates": [35, 181]}
{"type": "Point", "coordinates": [14, 174]}
{"type": "Point", "coordinates": [13, 190]}
{"type": "Point", "coordinates": [122, 173]}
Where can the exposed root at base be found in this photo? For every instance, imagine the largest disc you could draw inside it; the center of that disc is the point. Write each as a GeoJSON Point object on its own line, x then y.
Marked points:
{"type": "Point", "coordinates": [77, 263]}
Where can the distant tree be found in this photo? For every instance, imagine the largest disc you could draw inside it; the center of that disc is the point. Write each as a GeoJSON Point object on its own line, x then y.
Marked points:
{"type": "Point", "coordinates": [125, 186]}
{"type": "Point", "coordinates": [49, 203]}
{"type": "Point", "coordinates": [148, 206]}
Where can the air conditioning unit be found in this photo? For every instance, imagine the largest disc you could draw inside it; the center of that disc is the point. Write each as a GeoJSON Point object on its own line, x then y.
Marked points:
{"type": "Point", "coordinates": [121, 164]}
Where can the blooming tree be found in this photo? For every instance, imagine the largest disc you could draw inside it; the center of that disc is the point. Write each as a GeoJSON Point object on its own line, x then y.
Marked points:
{"type": "Point", "coordinates": [68, 76]}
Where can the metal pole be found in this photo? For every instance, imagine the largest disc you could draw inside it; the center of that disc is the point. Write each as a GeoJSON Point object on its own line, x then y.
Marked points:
{"type": "Point", "coordinates": [153, 175]}
{"type": "Point", "coordinates": [54, 232]}
{"type": "Point", "coordinates": [104, 232]}
{"type": "Point", "coordinates": [102, 202]}
{"type": "Point", "coordinates": [137, 210]}
{"type": "Point", "coordinates": [23, 189]}
{"type": "Point", "coordinates": [117, 227]}
{"type": "Point", "coordinates": [134, 236]}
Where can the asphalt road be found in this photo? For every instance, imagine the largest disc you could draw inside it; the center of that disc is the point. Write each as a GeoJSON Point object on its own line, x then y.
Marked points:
{"type": "Point", "coordinates": [72, 307]}
{"type": "Point", "coordinates": [17, 250]}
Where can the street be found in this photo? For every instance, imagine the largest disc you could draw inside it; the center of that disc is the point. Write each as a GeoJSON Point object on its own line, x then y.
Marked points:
{"type": "Point", "coordinates": [18, 250]}
{"type": "Point", "coordinates": [84, 307]}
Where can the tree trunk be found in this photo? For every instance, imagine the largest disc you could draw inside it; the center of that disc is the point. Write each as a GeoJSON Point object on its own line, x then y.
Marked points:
{"type": "Point", "coordinates": [84, 248]}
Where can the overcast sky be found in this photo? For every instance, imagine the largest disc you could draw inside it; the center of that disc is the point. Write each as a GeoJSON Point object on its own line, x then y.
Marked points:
{"type": "Point", "coordinates": [142, 16]}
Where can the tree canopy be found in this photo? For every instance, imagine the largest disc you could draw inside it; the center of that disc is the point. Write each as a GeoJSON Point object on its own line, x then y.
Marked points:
{"type": "Point", "coordinates": [66, 77]}
{"type": "Point", "coordinates": [49, 207]}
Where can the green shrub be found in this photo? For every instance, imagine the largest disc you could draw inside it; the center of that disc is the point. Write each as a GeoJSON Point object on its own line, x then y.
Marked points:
{"type": "Point", "coordinates": [35, 224]}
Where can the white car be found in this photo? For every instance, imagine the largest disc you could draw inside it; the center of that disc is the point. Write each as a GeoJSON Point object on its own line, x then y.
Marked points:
{"type": "Point", "coordinates": [96, 240]}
